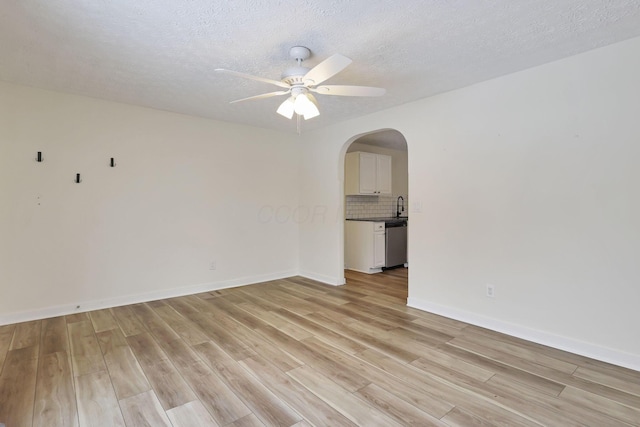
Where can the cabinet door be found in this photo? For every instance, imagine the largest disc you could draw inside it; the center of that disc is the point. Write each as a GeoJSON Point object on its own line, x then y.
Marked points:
{"type": "Point", "coordinates": [379, 250]}
{"type": "Point", "coordinates": [368, 175]}
{"type": "Point", "coordinates": [383, 177]}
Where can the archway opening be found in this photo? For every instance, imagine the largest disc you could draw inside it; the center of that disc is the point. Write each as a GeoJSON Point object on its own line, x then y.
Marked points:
{"type": "Point", "coordinates": [375, 192]}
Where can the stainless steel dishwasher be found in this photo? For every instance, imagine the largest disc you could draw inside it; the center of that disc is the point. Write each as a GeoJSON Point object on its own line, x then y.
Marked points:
{"type": "Point", "coordinates": [396, 239]}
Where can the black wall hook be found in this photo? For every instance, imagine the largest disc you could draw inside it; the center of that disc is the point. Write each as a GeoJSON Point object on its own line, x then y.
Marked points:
{"type": "Point", "coordinates": [39, 158]}
{"type": "Point", "coordinates": [112, 163]}
{"type": "Point", "coordinates": [78, 180]}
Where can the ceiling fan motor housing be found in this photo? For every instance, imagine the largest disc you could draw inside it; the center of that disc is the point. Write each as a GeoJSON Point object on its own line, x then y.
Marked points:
{"type": "Point", "coordinates": [294, 75]}
{"type": "Point", "coordinates": [295, 91]}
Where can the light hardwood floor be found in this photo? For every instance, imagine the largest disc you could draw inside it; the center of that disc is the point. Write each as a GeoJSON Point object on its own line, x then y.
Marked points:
{"type": "Point", "coordinates": [295, 352]}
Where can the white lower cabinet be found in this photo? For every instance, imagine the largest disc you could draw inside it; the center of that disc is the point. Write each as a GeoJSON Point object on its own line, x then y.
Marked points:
{"type": "Point", "coordinates": [379, 249]}
{"type": "Point", "coordinates": [364, 246]}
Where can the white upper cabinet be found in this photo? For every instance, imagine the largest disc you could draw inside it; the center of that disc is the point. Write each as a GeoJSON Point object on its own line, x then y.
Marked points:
{"type": "Point", "coordinates": [367, 173]}
{"type": "Point", "coordinates": [383, 176]}
{"type": "Point", "coordinates": [367, 165]}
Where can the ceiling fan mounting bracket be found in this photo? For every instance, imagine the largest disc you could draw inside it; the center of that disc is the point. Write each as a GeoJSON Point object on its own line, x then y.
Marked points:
{"type": "Point", "coordinates": [299, 53]}
{"type": "Point", "coordinates": [293, 75]}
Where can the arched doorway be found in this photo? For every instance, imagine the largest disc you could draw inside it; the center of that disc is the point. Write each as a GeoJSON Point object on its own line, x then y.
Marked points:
{"type": "Point", "coordinates": [374, 194]}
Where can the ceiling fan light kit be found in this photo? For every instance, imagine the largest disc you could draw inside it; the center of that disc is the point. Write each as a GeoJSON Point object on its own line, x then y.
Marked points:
{"type": "Point", "coordinates": [300, 81]}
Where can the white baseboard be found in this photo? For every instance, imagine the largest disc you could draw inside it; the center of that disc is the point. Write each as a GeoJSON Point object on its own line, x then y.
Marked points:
{"type": "Point", "coordinates": [604, 354]}
{"type": "Point", "coordinates": [335, 281]}
{"type": "Point", "coordinates": [61, 310]}
{"type": "Point", "coordinates": [368, 271]}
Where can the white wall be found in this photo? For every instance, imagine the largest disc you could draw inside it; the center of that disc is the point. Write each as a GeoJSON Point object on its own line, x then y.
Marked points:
{"type": "Point", "coordinates": [528, 182]}
{"type": "Point", "coordinates": [185, 191]}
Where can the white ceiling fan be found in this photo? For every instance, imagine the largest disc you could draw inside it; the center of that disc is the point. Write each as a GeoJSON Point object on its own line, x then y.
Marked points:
{"type": "Point", "coordinates": [301, 82]}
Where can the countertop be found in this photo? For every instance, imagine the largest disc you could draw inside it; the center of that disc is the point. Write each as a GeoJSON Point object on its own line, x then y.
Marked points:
{"type": "Point", "coordinates": [385, 219]}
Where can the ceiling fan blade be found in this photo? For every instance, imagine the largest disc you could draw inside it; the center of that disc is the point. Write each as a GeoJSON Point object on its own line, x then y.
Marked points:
{"type": "Point", "coordinates": [264, 95]}
{"type": "Point", "coordinates": [326, 69]}
{"type": "Point", "coordinates": [250, 77]}
{"type": "Point", "coordinates": [312, 98]}
{"type": "Point", "coordinates": [345, 90]}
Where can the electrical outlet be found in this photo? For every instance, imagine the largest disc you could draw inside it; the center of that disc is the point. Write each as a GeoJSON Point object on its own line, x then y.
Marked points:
{"type": "Point", "coordinates": [490, 291]}
{"type": "Point", "coordinates": [212, 265]}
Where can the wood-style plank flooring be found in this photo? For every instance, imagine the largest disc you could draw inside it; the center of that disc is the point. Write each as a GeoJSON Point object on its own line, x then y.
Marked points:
{"type": "Point", "coordinates": [299, 353]}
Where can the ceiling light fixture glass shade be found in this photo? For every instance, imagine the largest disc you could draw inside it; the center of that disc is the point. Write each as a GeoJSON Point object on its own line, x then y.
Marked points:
{"type": "Point", "coordinates": [304, 107]}
{"type": "Point", "coordinates": [312, 109]}
{"type": "Point", "coordinates": [287, 108]}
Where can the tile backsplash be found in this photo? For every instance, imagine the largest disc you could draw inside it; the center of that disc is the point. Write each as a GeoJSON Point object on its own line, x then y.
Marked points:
{"type": "Point", "coordinates": [373, 206]}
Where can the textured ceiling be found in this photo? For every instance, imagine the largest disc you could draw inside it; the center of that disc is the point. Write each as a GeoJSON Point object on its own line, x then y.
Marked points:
{"type": "Point", "coordinates": [162, 53]}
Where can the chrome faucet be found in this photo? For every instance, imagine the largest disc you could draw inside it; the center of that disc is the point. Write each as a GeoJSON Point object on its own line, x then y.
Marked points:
{"type": "Point", "coordinates": [398, 206]}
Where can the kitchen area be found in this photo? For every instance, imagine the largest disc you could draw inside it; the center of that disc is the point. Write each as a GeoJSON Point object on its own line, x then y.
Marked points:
{"type": "Point", "coordinates": [376, 214]}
